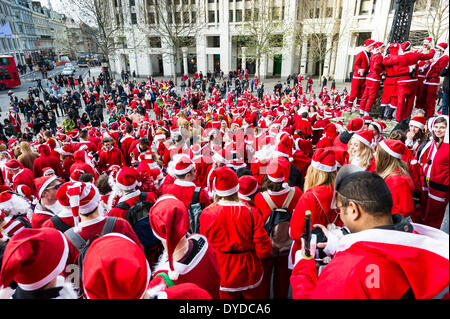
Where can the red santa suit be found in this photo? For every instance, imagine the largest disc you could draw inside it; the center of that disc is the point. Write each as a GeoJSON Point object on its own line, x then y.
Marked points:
{"type": "Point", "coordinates": [15, 121]}
{"type": "Point", "coordinates": [372, 84]}
{"type": "Point", "coordinates": [125, 143]}
{"type": "Point", "coordinates": [406, 84]}
{"type": "Point", "coordinates": [108, 158]}
{"type": "Point", "coordinates": [431, 82]}
{"type": "Point", "coordinates": [402, 190]}
{"type": "Point", "coordinates": [24, 177]}
{"type": "Point", "coordinates": [436, 172]}
{"type": "Point", "coordinates": [131, 199]}
{"type": "Point", "coordinates": [361, 64]}
{"type": "Point", "coordinates": [317, 199]}
{"type": "Point", "coordinates": [277, 263]}
{"type": "Point", "coordinates": [403, 262]}
{"type": "Point", "coordinates": [240, 241]}
{"type": "Point", "coordinates": [421, 72]}
{"type": "Point", "coordinates": [389, 97]}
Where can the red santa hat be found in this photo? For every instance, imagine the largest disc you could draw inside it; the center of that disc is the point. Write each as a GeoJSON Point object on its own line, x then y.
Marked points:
{"type": "Point", "coordinates": [428, 40]}
{"type": "Point", "coordinates": [76, 174]}
{"type": "Point", "coordinates": [25, 191]}
{"type": "Point", "coordinates": [83, 199]}
{"type": "Point", "coordinates": [248, 185]}
{"type": "Point", "coordinates": [66, 150]}
{"type": "Point", "coordinates": [128, 178]}
{"type": "Point", "coordinates": [284, 146]}
{"type": "Point", "coordinates": [113, 170]}
{"type": "Point", "coordinates": [365, 137]}
{"type": "Point", "coordinates": [224, 181]}
{"type": "Point", "coordinates": [368, 43]}
{"type": "Point", "coordinates": [169, 220]}
{"type": "Point", "coordinates": [379, 45]}
{"type": "Point", "coordinates": [395, 148]}
{"type": "Point", "coordinates": [278, 170]}
{"type": "Point", "coordinates": [418, 121]}
{"type": "Point", "coordinates": [381, 126]}
{"type": "Point", "coordinates": [442, 46]}
{"type": "Point", "coordinates": [62, 196]}
{"type": "Point", "coordinates": [42, 183]}
{"type": "Point", "coordinates": [183, 166]}
{"type": "Point", "coordinates": [367, 119]}
{"type": "Point", "coordinates": [196, 149]}
{"type": "Point", "coordinates": [405, 46]}
{"type": "Point", "coordinates": [324, 159]}
{"type": "Point", "coordinates": [394, 48]}
{"type": "Point", "coordinates": [109, 275]}
{"type": "Point", "coordinates": [34, 257]}
{"type": "Point", "coordinates": [354, 125]}
{"type": "Point", "coordinates": [48, 171]}
{"type": "Point", "coordinates": [14, 164]}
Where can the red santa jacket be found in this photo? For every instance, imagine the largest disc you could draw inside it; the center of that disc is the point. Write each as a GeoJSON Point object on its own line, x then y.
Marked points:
{"type": "Point", "coordinates": [278, 198]}
{"type": "Point", "coordinates": [361, 63]}
{"type": "Point", "coordinates": [405, 63]}
{"type": "Point", "coordinates": [184, 191]}
{"type": "Point", "coordinates": [109, 158]}
{"type": "Point", "coordinates": [237, 234]}
{"type": "Point", "coordinates": [432, 76]}
{"type": "Point", "coordinates": [126, 142]}
{"type": "Point", "coordinates": [199, 266]}
{"type": "Point", "coordinates": [402, 190]}
{"type": "Point", "coordinates": [301, 161]}
{"type": "Point", "coordinates": [376, 67]}
{"type": "Point", "coordinates": [379, 264]}
{"type": "Point", "coordinates": [46, 160]}
{"type": "Point", "coordinates": [40, 216]}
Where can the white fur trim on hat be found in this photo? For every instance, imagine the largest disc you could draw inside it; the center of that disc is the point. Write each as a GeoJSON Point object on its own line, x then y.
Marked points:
{"type": "Point", "coordinates": [45, 185]}
{"type": "Point", "coordinates": [128, 188]}
{"type": "Point", "coordinates": [275, 180]}
{"type": "Point", "coordinates": [184, 171]}
{"type": "Point", "coordinates": [417, 124]}
{"type": "Point", "coordinates": [323, 167]}
{"type": "Point", "coordinates": [362, 140]}
{"type": "Point", "coordinates": [389, 151]}
{"type": "Point", "coordinates": [227, 192]}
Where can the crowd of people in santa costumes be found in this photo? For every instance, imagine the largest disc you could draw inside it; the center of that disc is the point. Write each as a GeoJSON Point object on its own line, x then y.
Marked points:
{"type": "Point", "coordinates": [223, 186]}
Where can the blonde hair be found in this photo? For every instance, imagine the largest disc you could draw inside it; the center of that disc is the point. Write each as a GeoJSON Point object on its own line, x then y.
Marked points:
{"type": "Point", "coordinates": [315, 177]}
{"type": "Point", "coordinates": [386, 164]}
{"type": "Point", "coordinates": [365, 153]}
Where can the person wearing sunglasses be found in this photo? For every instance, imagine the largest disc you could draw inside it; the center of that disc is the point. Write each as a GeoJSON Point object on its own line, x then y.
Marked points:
{"type": "Point", "coordinates": [48, 205]}
{"type": "Point", "coordinates": [384, 256]}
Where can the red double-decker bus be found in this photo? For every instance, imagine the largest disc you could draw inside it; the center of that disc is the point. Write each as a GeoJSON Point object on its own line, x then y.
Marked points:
{"type": "Point", "coordinates": [9, 75]}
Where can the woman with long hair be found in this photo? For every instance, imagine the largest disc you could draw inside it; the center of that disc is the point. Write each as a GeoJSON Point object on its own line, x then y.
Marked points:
{"type": "Point", "coordinates": [416, 137]}
{"type": "Point", "coordinates": [238, 236]}
{"type": "Point", "coordinates": [394, 171]}
{"type": "Point", "coordinates": [436, 172]}
{"type": "Point", "coordinates": [317, 197]}
{"type": "Point", "coordinates": [360, 150]}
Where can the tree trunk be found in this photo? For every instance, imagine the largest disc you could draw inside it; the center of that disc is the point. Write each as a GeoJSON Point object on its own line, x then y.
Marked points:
{"type": "Point", "coordinates": [174, 64]}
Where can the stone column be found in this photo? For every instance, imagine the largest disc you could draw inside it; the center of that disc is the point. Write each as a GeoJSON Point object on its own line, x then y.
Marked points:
{"type": "Point", "coordinates": [244, 58]}
{"type": "Point", "coordinates": [327, 62]}
{"type": "Point", "coordinates": [304, 59]}
{"type": "Point", "coordinates": [185, 60]}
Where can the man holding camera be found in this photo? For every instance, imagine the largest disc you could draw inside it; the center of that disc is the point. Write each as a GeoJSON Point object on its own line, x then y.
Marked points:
{"type": "Point", "coordinates": [385, 256]}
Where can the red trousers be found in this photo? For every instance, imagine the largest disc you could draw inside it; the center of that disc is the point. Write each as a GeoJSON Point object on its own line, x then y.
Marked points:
{"type": "Point", "coordinates": [419, 104]}
{"type": "Point", "coordinates": [357, 91]}
{"type": "Point", "coordinates": [389, 97]}
{"type": "Point", "coordinates": [281, 275]}
{"type": "Point", "coordinates": [370, 95]}
{"type": "Point", "coordinates": [429, 96]}
{"type": "Point", "coordinates": [406, 92]}
{"type": "Point", "coordinates": [436, 203]}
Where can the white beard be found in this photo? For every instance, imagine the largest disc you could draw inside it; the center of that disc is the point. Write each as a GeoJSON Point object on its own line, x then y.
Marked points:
{"type": "Point", "coordinates": [17, 205]}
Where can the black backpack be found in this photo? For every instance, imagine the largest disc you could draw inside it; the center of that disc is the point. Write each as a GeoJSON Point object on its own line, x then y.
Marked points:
{"type": "Point", "coordinates": [137, 216]}
{"type": "Point", "coordinates": [195, 209]}
{"type": "Point", "coordinates": [59, 224]}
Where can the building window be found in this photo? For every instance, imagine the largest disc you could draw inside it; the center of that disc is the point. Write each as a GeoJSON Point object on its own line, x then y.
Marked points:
{"type": "Point", "coordinates": [255, 14]}
{"type": "Point", "coordinates": [420, 5]}
{"type": "Point", "coordinates": [186, 17]}
{"type": "Point", "coordinates": [132, 3]}
{"type": "Point", "coordinates": [248, 14]}
{"type": "Point", "coordinates": [177, 17]}
{"type": "Point", "coordinates": [364, 7]}
{"type": "Point", "coordinates": [230, 16]}
{"type": "Point", "coordinates": [329, 12]}
{"type": "Point", "coordinates": [361, 37]}
{"type": "Point", "coordinates": [217, 15]}
{"type": "Point", "coordinates": [151, 18]}
{"type": "Point", "coordinates": [276, 13]}
{"type": "Point", "coordinates": [133, 18]}
{"type": "Point", "coordinates": [213, 41]}
{"type": "Point", "coordinates": [416, 37]}
{"type": "Point", "coordinates": [211, 16]}
{"type": "Point", "coordinates": [238, 15]}
{"type": "Point", "coordinates": [155, 42]}
{"type": "Point", "coordinates": [193, 17]}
